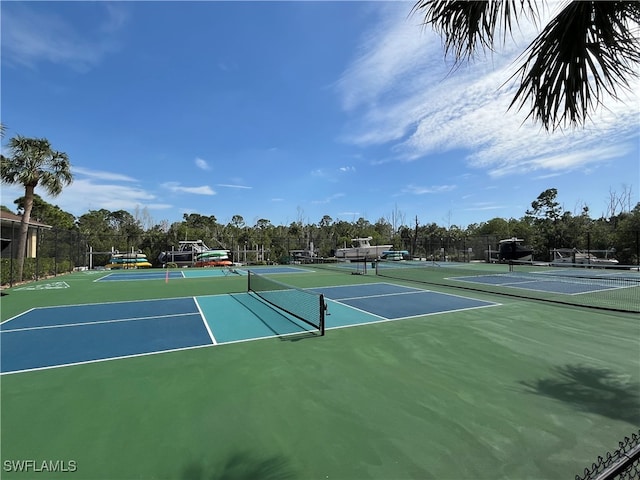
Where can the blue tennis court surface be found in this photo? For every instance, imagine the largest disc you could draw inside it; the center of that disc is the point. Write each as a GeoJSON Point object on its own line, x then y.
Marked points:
{"type": "Point", "coordinates": [547, 282]}
{"type": "Point", "coordinates": [45, 337]}
{"type": "Point", "coordinates": [173, 274]}
{"type": "Point", "coordinates": [66, 335]}
{"type": "Point", "coordinates": [387, 301]}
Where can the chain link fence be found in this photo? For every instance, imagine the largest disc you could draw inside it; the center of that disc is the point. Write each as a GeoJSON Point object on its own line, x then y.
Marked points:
{"type": "Point", "coordinates": [621, 464]}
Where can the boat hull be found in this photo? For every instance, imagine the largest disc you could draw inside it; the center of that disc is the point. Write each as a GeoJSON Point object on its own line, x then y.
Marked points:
{"type": "Point", "coordinates": [512, 249]}
{"type": "Point", "coordinates": [361, 253]}
{"type": "Point", "coordinates": [195, 253]}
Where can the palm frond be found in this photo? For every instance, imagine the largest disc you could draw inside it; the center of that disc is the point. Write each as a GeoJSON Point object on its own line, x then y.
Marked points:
{"type": "Point", "coordinates": [587, 50]}
{"type": "Point", "coordinates": [467, 26]}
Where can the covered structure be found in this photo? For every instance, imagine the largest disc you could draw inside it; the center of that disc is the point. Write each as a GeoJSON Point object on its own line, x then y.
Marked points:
{"type": "Point", "coordinates": [10, 234]}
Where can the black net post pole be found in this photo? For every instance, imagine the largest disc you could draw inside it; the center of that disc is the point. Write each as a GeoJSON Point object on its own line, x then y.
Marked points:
{"type": "Point", "coordinates": [323, 311]}
{"type": "Point", "coordinates": [13, 240]}
{"type": "Point", "coordinates": [55, 252]}
{"type": "Point", "coordinates": [38, 245]}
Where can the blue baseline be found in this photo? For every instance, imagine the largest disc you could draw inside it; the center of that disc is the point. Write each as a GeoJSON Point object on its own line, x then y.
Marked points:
{"type": "Point", "coordinates": [48, 337]}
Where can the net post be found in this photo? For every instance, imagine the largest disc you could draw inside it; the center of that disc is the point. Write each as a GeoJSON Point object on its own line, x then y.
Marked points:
{"type": "Point", "coordinates": [323, 309]}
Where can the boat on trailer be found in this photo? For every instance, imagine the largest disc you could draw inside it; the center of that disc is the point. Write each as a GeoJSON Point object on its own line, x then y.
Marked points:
{"type": "Point", "coordinates": [573, 256]}
{"type": "Point", "coordinates": [361, 249]}
{"type": "Point", "coordinates": [196, 253]}
{"type": "Point", "coordinates": [513, 249]}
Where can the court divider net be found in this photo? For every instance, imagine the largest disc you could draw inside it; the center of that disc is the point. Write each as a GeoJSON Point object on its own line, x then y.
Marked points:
{"type": "Point", "coordinates": [304, 305]}
{"type": "Point", "coordinates": [602, 288]}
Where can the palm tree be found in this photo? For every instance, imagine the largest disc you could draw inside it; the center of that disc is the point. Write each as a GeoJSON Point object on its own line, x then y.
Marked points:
{"type": "Point", "coordinates": [33, 163]}
{"type": "Point", "coordinates": [588, 50]}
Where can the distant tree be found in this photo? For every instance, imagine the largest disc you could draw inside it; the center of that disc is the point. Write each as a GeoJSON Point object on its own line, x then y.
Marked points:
{"type": "Point", "coordinates": [237, 221]}
{"type": "Point", "coordinates": [626, 237]}
{"type": "Point", "coordinates": [263, 223]}
{"type": "Point", "coordinates": [32, 163]}
{"type": "Point", "coordinates": [587, 50]}
{"type": "Point", "coordinates": [47, 213]}
{"type": "Point", "coordinates": [384, 229]}
{"type": "Point", "coordinates": [295, 230]}
{"type": "Point", "coordinates": [325, 222]}
{"type": "Point", "coordinates": [100, 232]}
{"type": "Point", "coordinates": [546, 214]}
{"type": "Point", "coordinates": [546, 205]}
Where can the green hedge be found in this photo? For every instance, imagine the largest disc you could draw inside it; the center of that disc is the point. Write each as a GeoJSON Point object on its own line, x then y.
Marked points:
{"type": "Point", "coordinates": [34, 269]}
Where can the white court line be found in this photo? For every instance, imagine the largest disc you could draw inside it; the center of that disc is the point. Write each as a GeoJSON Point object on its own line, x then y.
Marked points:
{"type": "Point", "coordinates": [117, 320]}
{"type": "Point", "coordinates": [384, 295]}
{"type": "Point", "coordinates": [19, 315]}
{"type": "Point", "coordinates": [204, 320]}
{"type": "Point", "coordinates": [356, 309]}
{"type": "Point", "coordinates": [49, 367]}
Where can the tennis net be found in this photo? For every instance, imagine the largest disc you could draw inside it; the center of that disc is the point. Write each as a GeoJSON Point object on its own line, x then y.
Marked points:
{"type": "Point", "coordinates": [302, 304]}
{"type": "Point", "coordinates": [608, 289]}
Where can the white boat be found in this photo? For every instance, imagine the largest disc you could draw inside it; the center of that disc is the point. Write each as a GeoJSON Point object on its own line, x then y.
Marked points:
{"type": "Point", "coordinates": [192, 251]}
{"type": "Point", "coordinates": [361, 249]}
{"type": "Point", "coordinates": [566, 256]}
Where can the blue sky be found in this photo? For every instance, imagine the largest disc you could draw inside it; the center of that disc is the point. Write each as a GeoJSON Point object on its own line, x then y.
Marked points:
{"type": "Point", "coordinates": [289, 111]}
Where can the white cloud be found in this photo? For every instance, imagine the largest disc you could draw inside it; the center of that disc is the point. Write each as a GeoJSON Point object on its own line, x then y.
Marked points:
{"type": "Point", "coordinates": [31, 36]}
{"type": "Point", "coordinates": [418, 190]}
{"type": "Point", "coordinates": [328, 199]}
{"type": "Point", "coordinates": [86, 194]}
{"type": "Point", "coordinates": [481, 207]}
{"type": "Point", "coordinates": [561, 162]}
{"type": "Point", "coordinates": [177, 188]}
{"type": "Point", "coordinates": [101, 175]}
{"type": "Point", "coordinates": [226, 185]}
{"type": "Point", "coordinates": [398, 96]}
{"type": "Point", "coordinates": [202, 164]}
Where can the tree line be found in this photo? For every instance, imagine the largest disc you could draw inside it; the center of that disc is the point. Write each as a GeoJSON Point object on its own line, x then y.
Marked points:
{"type": "Point", "coordinates": [545, 226]}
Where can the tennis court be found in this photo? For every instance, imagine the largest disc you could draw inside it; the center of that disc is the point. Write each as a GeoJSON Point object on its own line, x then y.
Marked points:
{"type": "Point", "coordinates": [197, 378]}
{"type": "Point", "coordinates": [542, 283]}
{"type": "Point", "coordinates": [68, 335]}
{"type": "Point", "coordinates": [137, 275]}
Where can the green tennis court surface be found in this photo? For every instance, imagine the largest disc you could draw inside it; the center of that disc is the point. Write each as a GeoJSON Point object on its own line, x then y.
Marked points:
{"type": "Point", "coordinates": [429, 383]}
